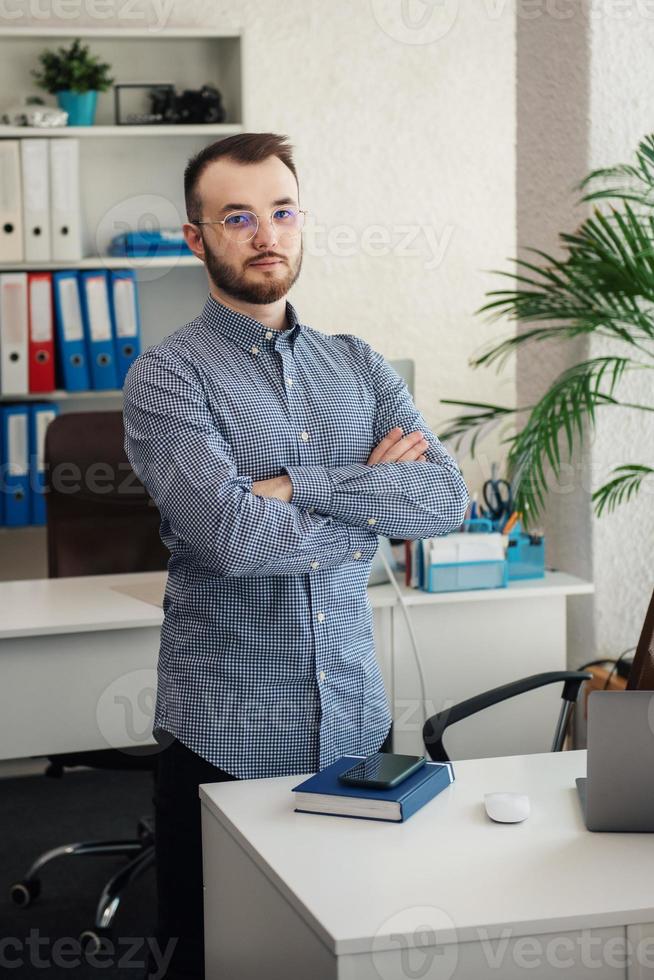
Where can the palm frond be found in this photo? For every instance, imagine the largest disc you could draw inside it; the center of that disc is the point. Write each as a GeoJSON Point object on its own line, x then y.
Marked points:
{"type": "Point", "coordinates": [560, 415]}
{"type": "Point", "coordinates": [627, 182]}
{"type": "Point", "coordinates": [626, 482]}
{"type": "Point", "coordinates": [605, 284]}
{"type": "Point", "coordinates": [465, 431]}
{"type": "Point", "coordinates": [563, 411]}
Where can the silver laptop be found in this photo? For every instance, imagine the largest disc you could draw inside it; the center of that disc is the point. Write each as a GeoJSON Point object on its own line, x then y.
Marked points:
{"type": "Point", "coordinates": [618, 793]}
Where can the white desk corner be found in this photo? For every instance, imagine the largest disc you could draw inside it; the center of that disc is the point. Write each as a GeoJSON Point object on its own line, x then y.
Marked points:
{"type": "Point", "coordinates": [306, 895]}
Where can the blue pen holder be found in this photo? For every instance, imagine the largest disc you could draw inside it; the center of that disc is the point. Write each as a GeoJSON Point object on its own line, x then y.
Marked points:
{"type": "Point", "coordinates": [525, 554]}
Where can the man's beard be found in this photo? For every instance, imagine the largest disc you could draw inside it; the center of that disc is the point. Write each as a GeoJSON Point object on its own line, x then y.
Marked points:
{"type": "Point", "coordinates": [234, 283]}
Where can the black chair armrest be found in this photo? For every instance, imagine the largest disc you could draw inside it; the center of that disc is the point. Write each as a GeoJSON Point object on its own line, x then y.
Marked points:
{"type": "Point", "coordinates": [434, 727]}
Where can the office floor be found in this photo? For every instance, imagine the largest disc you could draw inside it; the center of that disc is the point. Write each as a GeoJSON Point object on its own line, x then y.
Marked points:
{"type": "Point", "coordinates": [38, 813]}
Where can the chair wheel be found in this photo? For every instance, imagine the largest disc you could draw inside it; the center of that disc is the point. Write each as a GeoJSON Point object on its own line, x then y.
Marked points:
{"type": "Point", "coordinates": [23, 893]}
{"type": "Point", "coordinates": [91, 940]}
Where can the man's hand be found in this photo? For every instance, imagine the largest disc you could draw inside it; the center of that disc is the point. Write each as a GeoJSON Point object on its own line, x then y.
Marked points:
{"type": "Point", "coordinates": [279, 488]}
{"type": "Point", "coordinates": [398, 449]}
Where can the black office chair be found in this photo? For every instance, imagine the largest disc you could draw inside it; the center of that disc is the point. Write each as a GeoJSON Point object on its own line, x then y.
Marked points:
{"type": "Point", "coordinates": [94, 531]}
{"type": "Point", "coordinates": [641, 677]}
{"type": "Point", "coordinates": [434, 728]}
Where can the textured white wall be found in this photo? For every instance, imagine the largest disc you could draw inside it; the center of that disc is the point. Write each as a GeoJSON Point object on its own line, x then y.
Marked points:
{"type": "Point", "coordinates": [395, 125]}
{"type": "Point", "coordinates": [622, 76]}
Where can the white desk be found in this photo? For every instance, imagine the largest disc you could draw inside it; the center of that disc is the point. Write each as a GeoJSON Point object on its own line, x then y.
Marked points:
{"type": "Point", "coordinates": [78, 659]}
{"type": "Point", "coordinates": [447, 894]}
{"type": "Point", "coordinates": [77, 663]}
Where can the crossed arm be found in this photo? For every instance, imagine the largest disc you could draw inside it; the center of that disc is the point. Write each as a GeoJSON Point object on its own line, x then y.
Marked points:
{"type": "Point", "coordinates": [409, 487]}
{"type": "Point", "coordinates": [394, 448]}
{"type": "Point", "coordinates": [239, 527]}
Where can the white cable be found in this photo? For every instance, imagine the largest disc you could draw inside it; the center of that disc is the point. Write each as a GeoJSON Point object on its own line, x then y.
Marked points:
{"type": "Point", "coordinates": [414, 645]}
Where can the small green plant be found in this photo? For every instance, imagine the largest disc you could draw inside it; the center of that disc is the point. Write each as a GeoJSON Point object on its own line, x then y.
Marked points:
{"type": "Point", "coordinates": [72, 69]}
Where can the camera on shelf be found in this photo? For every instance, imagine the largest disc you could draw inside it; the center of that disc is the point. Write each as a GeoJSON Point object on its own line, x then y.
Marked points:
{"type": "Point", "coordinates": [204, 105]}
{"type": "Point", "coordinates": [166, 105]}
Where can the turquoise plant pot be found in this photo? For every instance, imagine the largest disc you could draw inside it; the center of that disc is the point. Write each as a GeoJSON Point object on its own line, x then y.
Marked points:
{"type": "Point", "coordinates": [80, 107]}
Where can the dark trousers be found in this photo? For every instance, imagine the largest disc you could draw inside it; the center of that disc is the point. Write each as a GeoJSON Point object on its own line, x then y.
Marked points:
{"type": "Point", "coordinates": [178, 849]}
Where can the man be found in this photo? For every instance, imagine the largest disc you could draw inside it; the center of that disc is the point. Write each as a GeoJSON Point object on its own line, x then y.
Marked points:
{"type": "Point", "coordinates": [276, 454]}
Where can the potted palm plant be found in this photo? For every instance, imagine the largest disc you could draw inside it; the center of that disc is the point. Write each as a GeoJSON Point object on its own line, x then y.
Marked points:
{"type": "Point", "coordinates": [602, 288]}
{"type": "Point", "coordinates": [75, 77]}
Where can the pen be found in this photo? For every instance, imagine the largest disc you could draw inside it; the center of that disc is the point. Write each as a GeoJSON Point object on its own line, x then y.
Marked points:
{"type": "Point", "coordinates": [512, 521]}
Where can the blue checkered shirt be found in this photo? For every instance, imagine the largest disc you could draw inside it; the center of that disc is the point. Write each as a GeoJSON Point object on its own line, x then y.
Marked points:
{"type": "Point", "coordinates": [267, 663]}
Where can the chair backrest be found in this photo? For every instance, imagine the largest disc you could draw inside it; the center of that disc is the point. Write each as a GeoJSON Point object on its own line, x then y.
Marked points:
{"type": "Point", "coordinates": [100, 518]}
{"type": "Point", "coordinates": [641, 675]}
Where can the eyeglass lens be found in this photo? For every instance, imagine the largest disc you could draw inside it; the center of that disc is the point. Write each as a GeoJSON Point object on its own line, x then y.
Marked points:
{"type": "Point", "coordinates": [243, 225]}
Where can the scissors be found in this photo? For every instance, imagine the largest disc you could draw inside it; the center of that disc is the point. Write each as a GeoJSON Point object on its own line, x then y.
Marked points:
{"type": "Point", "coordinates": [498, 497]}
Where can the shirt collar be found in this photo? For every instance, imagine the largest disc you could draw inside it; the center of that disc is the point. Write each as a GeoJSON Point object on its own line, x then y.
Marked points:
{"type": "Point", "coordinates": [247, 331]}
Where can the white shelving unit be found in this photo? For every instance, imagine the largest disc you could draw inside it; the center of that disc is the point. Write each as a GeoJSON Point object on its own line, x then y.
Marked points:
{"type": "Point", "coordinates": [131, 177]}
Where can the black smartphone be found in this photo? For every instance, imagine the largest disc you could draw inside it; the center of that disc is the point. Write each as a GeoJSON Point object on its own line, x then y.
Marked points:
{"type": "Point", "coordinates": [381, 770]}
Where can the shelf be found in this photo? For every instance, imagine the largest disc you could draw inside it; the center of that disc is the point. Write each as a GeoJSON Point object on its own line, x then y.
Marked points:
{"type": "Point", "coordinates": [91, 132]}
{"type": "Point", "coordinates": [107, 262]}
{"type": "Point", "coordinates": [156, 32]}
{"type": "Point", "coordinates": [50, 396]}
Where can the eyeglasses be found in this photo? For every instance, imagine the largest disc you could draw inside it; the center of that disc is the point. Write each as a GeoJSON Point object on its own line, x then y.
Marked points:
{"type": "Point", "coordinates": [242, 226]}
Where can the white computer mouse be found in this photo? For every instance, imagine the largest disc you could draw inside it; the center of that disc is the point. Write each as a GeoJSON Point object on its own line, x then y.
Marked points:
{"type": "Point", "coordinates": [507, 807]}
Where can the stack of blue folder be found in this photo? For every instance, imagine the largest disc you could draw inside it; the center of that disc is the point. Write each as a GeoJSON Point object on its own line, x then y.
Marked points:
{"type": "Point", "coordinates": [22, 438]}
{"type": "Point", "coordinates": [98, 327]}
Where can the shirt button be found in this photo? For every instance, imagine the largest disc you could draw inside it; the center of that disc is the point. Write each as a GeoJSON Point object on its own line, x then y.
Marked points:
{"type": "Point", "coordinates": [315, 564]}
{"type": "Point", "coordinates": [357, 554]}
{"type": "Point", "coordinates": [255, 349]}
{"type": "Point", "coordinates": [311, 509]}
{"type": "Point", "coordinates": [289, 382]}
{"type": "Point", "coordinates": [320, 616]}
{"type": "Point", "coordinates": [304, 436]}
{"type": "Point", "coordinates": [269, 334]}
{"type": "Point", "coordinates": [372, 520]}
{"type": "Point", "coordinates": [322, 675]}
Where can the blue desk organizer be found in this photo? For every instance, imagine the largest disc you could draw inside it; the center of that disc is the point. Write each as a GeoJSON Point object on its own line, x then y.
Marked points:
{"type": "Point", "coordinates": [525, 554]}
{"type": "Point", "coordinates": [464, 575]}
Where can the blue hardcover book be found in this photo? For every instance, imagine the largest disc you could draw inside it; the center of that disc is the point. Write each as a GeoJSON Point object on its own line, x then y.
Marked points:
{"type": "Point", "coordinates": [323, 793]}
{"type": "Point", "coordinates": [126, 320]}
{"type": "Point", "coordinates": [15, 464]}
{"type": "Point", "coordinates": [71, 346]}
{"type": "Point", "coordinates": [41, 415]}
{"type": "Point", "coordinates": [94, 293]}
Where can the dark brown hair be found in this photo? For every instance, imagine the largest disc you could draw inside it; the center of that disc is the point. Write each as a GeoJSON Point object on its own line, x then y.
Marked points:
{"type": "Point", "coordinates": [244, 148]}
